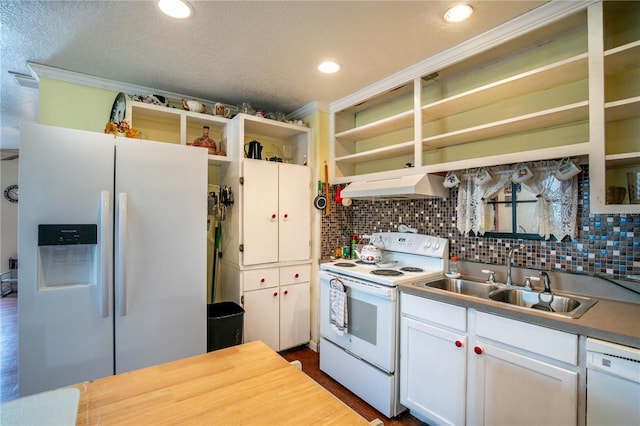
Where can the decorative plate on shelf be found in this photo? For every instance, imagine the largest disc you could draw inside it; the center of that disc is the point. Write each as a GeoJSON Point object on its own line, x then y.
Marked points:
{"type": "Point", "coordinates": [11, 193]}
{"type": "Point", "coordinates": [119, 108]}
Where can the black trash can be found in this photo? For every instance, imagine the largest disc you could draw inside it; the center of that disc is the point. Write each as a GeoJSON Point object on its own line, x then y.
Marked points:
{"type": "Point", "coordinates": [224, 325]}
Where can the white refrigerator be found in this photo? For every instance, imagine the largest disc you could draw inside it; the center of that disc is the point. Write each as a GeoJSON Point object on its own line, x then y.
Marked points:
{"type": "Point", "coordinates": [130, 291]}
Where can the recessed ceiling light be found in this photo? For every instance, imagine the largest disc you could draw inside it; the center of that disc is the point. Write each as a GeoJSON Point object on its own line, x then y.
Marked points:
{"type": "Point", "coordinates": [178, 9]}
{"type": "Point", "coordinates": [458, 13]}
{"type": "Point", "coordinates": [328, 67]}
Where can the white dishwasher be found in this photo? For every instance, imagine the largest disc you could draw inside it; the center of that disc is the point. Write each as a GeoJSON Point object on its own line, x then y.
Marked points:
{"type": "Point", "coordinates": [613, 384]}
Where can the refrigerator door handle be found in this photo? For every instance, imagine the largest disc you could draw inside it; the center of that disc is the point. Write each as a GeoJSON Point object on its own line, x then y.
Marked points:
{"type": "Point", "coordinates": [122, 254]}
{"type": "Point", "coordinates": [105, 237]}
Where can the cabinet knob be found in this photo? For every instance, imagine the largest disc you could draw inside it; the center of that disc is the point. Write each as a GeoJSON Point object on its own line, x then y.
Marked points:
{"type": "Point", "coordinates": [478, 350]}
{"type": "Point", "coordinates": [296, 275]}
{"type": "Point", "coordinates": [286, 216]}
{"type": "Point", "coordinates": [275, 293]}
{"type": "Point", "coordinates": [286, 292]}
{"type": "Point", "coordinates": [262, 280]}
{"type": "Point", "coordinates": [458, 343]}
{"type": "Point", "coordinates": [273, 216]}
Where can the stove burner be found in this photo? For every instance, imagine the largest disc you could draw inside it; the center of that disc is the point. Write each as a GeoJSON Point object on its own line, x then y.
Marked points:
{"type": "Point", "coordinates": [344, 265]}
{"type": "Point", "coordinates": [411, 269]}
{"type": "Point", "coordinates": [387, 272]}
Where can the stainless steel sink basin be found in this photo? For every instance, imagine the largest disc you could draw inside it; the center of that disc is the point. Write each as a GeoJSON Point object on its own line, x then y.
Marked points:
{"type": "Point", "coordinates": [470, 288]}
{"type": "Point", "coordinates": [564, 305]}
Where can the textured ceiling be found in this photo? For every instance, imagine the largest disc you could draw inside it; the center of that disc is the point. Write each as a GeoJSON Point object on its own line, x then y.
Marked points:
{"type": "Point", "coordinates": [261, 52]}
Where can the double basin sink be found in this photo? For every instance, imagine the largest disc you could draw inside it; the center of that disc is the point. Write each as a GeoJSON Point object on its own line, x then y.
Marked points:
{"type": "Point", "coordinates": [564, 305]}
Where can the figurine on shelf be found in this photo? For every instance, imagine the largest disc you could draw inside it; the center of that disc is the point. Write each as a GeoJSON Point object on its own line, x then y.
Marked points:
{"type": "Point", "coordinates": [121, 129]}
{"type": "Point", "coordinates": [205, 141]}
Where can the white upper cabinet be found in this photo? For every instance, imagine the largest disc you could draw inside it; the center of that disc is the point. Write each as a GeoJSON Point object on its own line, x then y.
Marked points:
{"type": "Point", "coordinates": [270, 221]}
{"type": "Point", "coordinates": [260, 222]}
{"type": "Point", "coordinates": [276, 222]}
{"type": "Point", "coordinates": [293, 211]}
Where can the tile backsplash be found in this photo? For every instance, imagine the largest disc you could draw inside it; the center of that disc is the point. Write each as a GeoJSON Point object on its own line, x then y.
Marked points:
{"type": "Point", "coordinates": [605, 245]}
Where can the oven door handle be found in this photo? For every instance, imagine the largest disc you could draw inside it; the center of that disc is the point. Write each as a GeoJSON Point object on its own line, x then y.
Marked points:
{"type": "Point", "coordinates": [377, 290]}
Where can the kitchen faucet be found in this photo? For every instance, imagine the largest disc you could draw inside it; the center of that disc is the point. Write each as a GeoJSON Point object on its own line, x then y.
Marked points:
{"type": "Point", "coordinates": [509, 259]}
{"type": "Point", "coordinates": [546, 296]}
{"type": "Point", "coordinates": [546, 282]}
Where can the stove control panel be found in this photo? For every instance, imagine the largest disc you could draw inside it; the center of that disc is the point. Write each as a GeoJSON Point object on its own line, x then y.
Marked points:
{"type": "Point", "coordinates": [420, 244]}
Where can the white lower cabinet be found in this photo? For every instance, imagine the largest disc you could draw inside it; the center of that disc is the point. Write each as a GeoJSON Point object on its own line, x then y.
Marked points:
{"type": "Point", "coordinates": [277, 306]}
{"type": "Point", "coordinates": [433, 360]}
{"type": "Point", "coordinates": [295, 316]}
{"type": "Point", "coordinates": [507, 388]}
{"type": "Point", "coordinates": [490, 370]}
{"type": "Point", "coordinates": [262, 317]}
{"type": "Point", "coordinates": [521, 373]}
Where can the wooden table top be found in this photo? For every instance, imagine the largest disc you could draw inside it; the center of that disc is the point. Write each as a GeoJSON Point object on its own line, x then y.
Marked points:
{"type": "Point", "coordinates": [248, 384]}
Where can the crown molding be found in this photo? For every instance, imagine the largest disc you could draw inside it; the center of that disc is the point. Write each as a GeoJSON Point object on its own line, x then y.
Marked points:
{"type": "Point", "coordinates": [308, 109]}
{"type": "Point", "coordinates": [523, 24]}
{"type": "Point", "coordinates": [40, 70]}
{"type": "Point", "coordinates": [24, 80]}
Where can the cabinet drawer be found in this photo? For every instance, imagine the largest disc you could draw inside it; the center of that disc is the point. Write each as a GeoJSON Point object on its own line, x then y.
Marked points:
{"type": "Point", "coordinates": [533, 338]}
{"type": "Point", "coordinates": [295, 274]}
{"type": "Point", "coordinates": [260, 278]}
{"type": "Point", "coordinates": [436, 312]}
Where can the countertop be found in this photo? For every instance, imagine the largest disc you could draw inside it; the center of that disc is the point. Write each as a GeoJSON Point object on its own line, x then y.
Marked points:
{"type": "Point", "coordinates": [248, 384]}
{"type": "Point", "coordinates": [610, 320]}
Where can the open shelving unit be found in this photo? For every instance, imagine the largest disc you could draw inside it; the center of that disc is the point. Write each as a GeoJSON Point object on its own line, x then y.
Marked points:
{"type": "Point", "coordinates": [615, 104]}
{"type": "Point", "coordinates": [173, 125]}
{"type": "Point", "coordinates": [498, 96]}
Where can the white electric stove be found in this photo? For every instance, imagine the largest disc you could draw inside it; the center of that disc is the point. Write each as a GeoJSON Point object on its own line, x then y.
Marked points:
{"type": "Point", "coordinates": [365, 358]}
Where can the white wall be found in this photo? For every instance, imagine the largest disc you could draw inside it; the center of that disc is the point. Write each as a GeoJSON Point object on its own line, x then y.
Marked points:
{"type": "Point", "coordinates": [8, 215]}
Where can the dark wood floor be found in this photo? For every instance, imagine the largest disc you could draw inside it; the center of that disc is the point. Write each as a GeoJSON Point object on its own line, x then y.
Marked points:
{"type": "Point", "coordinates": [309, 359]}
{"type": "Point", "coordinates": [311, 366]}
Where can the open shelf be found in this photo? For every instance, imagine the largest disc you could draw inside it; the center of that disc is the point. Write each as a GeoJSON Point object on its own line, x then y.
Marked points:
{"type": "Point", "coordinates": [566, 71]}
{"type": "Point", "coordinates": [386, 125]}
{"type": "Point", "coordinates": [622, 160]}
{"type": "Point", "coordinates": [156, 112]}
{"type": "Point", "coordinates": [218, 160]}
{"type": "Point", "coordinates": [622, 58]}
{"type": "Point", "coordinates": [379, 153]}
{"type": "Point", "coordinates": [576, 112]}
{"type": "Point", "coordinates": [622, 109]}
{"type": "Point", "coordinates": [173, 125]}
{"type": "Point", "coordinates": [259, 126]}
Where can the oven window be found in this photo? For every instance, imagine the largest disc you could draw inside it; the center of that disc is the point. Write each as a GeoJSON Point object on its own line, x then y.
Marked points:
{"type": "Point", "coordinates": [363, 320]}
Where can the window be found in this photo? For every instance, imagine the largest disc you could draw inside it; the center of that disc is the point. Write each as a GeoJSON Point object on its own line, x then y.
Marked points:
{"type": "Point", "coordinates": [543, 204]}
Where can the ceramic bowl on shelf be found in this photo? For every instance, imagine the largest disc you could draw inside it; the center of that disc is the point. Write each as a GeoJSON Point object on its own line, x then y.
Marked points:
{"type": "Point", "coordinates": [193, 105]}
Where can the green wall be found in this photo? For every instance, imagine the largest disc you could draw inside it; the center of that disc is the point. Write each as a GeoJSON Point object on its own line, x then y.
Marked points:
{"type": "Point", "coordinates": [73, 106]}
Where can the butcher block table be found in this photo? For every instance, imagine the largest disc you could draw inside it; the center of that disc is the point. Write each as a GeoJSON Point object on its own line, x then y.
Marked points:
{"type": "Point", "coordinates": [248, 384]}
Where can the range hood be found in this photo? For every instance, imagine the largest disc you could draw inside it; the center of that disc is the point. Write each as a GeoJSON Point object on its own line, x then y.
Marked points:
{"type": "Point", "coordinates": [404, 187]}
